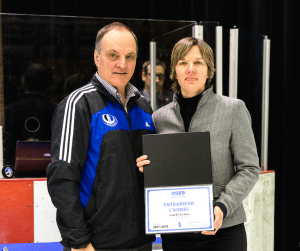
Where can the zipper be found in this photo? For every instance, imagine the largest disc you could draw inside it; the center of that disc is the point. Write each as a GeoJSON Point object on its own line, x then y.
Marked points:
{"type": "Point", "coordinates": [130, 127]}
{"type": "Point", "coordinates": [139, 183]}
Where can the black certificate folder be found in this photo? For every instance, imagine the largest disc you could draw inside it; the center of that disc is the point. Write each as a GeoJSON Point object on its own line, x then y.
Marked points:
{"type": "Point", "coordinates": [179, 159]}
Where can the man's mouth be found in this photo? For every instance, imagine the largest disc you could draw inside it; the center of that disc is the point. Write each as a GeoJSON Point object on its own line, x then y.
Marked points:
{"type": "Point", "coordinates": [121, 73]}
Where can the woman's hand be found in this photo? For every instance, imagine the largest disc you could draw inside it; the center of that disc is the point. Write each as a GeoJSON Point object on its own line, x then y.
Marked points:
{"type": "Point", "coordinates": [218, 221]}
{"type": "Point", "coordinates": [141, 161]}
{"type": "Point", "coordinates": [88, 248]}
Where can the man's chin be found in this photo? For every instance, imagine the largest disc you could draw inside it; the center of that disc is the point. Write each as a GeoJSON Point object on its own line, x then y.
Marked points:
{"type": "Point", "coordinates": [120, 82]}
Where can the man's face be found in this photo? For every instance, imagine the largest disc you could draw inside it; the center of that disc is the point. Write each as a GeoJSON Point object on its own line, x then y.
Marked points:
{"type": "Point", "coordinates": [160, 77]}
{"type": "Point", "coordinates": [117, 59]}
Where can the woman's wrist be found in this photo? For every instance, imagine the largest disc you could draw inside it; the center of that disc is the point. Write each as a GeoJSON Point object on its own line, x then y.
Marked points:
{"type": "Point", "coordinates": [222, 207]}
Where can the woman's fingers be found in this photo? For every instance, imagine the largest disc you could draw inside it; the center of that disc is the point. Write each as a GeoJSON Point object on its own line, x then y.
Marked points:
{"type": "Point", "coordinates": [217, 223]}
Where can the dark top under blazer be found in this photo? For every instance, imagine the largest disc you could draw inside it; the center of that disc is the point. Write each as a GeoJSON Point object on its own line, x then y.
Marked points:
{"type": "Point", "coordinates": [93, 180]}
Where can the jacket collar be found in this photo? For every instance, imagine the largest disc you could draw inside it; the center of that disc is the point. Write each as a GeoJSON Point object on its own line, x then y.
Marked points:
{"type": "Point", "coordinates": [135, 94]}
{"type": "Point", "coordinates": [99, 85]}
{"type": "Point", "coordinates": [206, 96]}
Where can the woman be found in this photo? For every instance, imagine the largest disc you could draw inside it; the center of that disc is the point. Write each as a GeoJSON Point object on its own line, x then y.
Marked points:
{"type": "Point", "coordinates": [196, 108]}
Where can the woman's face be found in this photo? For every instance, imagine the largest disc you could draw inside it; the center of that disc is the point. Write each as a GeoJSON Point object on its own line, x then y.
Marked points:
{"type": "Point", "coordinates": [191, 73]}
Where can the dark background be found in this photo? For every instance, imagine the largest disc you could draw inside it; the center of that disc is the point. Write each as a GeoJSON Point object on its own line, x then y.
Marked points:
{"type": "Point", "coordinates": [276, 19]}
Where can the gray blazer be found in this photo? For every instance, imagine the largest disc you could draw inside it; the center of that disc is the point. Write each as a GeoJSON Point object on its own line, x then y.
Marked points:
{"type": "Point", "coordinates": [235, 163]}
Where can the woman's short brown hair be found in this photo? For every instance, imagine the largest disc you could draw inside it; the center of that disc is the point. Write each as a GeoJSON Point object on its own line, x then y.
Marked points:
{"type": "Point", "coordinates": [181, 48]}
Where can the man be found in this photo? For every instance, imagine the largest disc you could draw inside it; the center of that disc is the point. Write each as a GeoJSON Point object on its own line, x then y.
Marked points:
{"type": "Point", "coordinates": [163, 97]}
{"type": "Point", "coordinates": [96, 137]}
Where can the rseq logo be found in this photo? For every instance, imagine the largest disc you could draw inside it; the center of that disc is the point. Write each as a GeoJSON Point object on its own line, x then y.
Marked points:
{"type": "Point", "coordinates": [109, 120]}
{"type": "Point", "coordinates": [178, 194]}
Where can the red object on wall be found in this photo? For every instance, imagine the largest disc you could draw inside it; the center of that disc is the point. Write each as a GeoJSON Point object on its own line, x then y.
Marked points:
{"type": "Point", "coordinates": [269, 171]}
{"type": "Point", "coordinates": [16, 211]}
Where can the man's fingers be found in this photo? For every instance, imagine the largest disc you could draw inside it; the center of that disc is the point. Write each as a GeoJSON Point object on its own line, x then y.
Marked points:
{"type": "Point", "coordinates": [142, 163]}
{"type": "Point", "coordinates": [141, 158]}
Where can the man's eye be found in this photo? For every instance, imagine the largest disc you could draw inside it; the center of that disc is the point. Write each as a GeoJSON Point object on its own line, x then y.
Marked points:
{"type": "Point", "coordinates": [113, 56]}
{"type": "Point", "coordinates": [130, 57]}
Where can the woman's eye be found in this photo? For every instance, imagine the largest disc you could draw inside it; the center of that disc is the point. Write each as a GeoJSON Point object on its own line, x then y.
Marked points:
{"type": "Point", "coordinates": [182, 63]}
{"type": "Point", "coordinates": [198, 62]}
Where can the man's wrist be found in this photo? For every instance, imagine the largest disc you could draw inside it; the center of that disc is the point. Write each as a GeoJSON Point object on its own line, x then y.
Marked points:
{"type": "Point", "coordinates": [82, 246]}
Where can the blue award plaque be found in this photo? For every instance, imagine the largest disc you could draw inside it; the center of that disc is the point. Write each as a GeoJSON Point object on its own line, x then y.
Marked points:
{"type": "Point", "coordinates": [179, 209]}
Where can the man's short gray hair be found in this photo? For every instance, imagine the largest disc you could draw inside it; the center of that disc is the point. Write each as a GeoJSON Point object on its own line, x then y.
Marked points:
{"type": "Point", "coordinates": [113, 26]}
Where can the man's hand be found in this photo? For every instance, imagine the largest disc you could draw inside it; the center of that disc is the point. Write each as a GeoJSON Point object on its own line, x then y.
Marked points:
{"type": "Point", "coordinates": [218, 221]}
{"type": "Point", "coordinates": [88, 248]}
{"type": "Point", "coordinates": [141, 161]}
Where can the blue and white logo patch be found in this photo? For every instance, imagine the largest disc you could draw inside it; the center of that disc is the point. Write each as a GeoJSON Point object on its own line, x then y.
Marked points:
{"type": "Point", "coordinates": [109, 120]}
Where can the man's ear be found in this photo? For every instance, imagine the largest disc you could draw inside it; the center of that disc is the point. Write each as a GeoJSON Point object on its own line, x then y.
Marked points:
{"type": "Point", "coordinates": [143, 76]}
{"type": "Point", "coordinates": [97, 58]}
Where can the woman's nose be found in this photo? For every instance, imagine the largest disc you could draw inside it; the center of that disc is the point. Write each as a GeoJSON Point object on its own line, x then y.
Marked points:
{"type": "Point", "coordinates": [191, 68]}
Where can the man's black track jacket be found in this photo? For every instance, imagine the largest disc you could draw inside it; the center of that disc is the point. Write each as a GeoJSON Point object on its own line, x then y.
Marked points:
{"type": "Point", "coordinates": [93, 180]}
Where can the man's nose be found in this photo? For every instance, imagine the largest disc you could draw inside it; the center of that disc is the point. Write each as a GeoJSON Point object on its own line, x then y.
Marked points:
{"type": "Point", "coordinates": [122, 62]}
